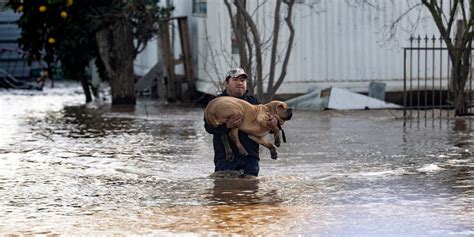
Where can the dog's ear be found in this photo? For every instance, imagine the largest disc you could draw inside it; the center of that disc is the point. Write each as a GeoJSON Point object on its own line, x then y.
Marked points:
{"type": "Point", "coordinates": [272, 107]}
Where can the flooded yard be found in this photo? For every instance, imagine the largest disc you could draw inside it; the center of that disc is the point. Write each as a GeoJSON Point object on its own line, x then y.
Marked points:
{"type": "Point", "coordinates": [66, 168]}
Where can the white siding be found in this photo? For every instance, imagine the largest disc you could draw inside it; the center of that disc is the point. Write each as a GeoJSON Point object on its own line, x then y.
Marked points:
{"type": "Point", "coordinates": [147, 59]}
{"type": "Point", "coordinates": [338, 44]}
{"type": "Point", "coordinates": [346, 46]}
{"type": "Point", "coordinates": [152, 54]}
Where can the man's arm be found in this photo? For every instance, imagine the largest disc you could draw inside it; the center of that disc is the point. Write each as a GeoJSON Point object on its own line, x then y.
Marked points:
{"type": "Point", "coordinates": [252, 100]}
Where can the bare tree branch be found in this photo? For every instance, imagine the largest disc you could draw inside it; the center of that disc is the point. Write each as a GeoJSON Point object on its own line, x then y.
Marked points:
{"type": "Point", "coordinates": [395, 23]}
{"type": "Point", "coordinates": [288, 20]}
{"type": "Point", "coordinates": [256, 39]}
{"type": "Point", "coordinates": [436, 13]}
{"type": "Point", "coordinates": [276, 32]}
{"type": "Point", "coordinates": [452, 14]}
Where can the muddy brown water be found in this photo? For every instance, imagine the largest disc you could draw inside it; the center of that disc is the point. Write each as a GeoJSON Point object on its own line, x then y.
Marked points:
{"type": "Point", "coordinates": [71, 169]}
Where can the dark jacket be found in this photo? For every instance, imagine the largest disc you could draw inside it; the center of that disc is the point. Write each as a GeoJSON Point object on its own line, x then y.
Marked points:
{"type": "Point", "coordinates": [219, 151]}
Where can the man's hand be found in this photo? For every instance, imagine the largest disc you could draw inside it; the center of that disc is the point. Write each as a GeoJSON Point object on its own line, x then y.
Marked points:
{"type": "Point", "coordinates": [234, 122]}
{"type": "Point", "coordinates": [272, 122]}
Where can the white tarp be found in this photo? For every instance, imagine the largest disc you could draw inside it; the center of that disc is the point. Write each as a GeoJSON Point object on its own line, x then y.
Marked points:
{"type": "Point", "coordinates": [338, 99]}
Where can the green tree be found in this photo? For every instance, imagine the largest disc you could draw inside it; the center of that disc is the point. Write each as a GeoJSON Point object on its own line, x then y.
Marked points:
{"type": "Point", "coordinates": [122, 30]}
{"type": "Point", "coordinates": [76, 32]}
{"type": "Point", "coordinates": [56, 30]}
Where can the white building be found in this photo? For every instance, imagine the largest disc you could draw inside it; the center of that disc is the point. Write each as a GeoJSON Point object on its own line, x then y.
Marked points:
{"type": "Point", "coordinates": [339, 43]}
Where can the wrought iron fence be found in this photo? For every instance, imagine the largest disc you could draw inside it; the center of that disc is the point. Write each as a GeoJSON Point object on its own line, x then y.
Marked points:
{"type": "Point", "coordinates": [427, 77]}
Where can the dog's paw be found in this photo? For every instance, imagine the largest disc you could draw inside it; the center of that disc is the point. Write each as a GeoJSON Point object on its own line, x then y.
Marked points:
{"type": "Point", "coordinates": [230, 157]}
{"type": "Point", "coordinates": [243, 152]}
{"type": "Point", "coordinates": [277, 141]}
{"type": "Point", "coordinates": [274, 153]}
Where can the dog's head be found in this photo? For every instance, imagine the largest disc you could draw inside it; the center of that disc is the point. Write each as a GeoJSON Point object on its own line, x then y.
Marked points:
{"type": "Point", "coordinates": [280, 110]}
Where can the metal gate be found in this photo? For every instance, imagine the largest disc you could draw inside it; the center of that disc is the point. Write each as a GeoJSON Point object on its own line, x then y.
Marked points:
{"type": "Point", "coordinates": [427, 73]}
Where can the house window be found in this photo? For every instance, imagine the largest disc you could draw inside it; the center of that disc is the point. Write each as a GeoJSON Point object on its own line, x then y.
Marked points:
{"type": "Point", "coordinates": [200, 7]}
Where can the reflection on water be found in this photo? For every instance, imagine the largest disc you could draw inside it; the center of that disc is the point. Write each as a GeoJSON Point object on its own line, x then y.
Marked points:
{"type": "Point", "coordinates": [66, 168]}
{"type": "Point", "coordinates": [240, 191]}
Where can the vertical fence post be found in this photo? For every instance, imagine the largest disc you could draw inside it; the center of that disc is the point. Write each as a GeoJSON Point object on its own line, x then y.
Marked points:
{"type": "Point", "coordinates": [440, 75]}
{"type": "Point", "coordinates": [404, 82]}
{"type": "Point", "coordinates": [448, 82]}
{"type": "Point", "coordinates": [426, 75]}
{"type": "Point", "coordinates": [411, 76]}
{"type": "Point", "coordinates": [418, 103]}
{"type": "Point", "coordinates": [470, 85]}
{"type": "Point", "coordinates": [433, 79]}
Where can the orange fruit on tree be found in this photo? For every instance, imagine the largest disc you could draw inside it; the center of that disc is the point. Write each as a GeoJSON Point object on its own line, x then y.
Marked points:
{"type": "Point", "coordinates": [43, 8]}
{"type": "Point", "coordinates": [51, 40]}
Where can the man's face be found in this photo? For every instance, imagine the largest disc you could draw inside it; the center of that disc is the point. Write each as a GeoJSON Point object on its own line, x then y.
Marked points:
{"type": "Point", "coordinates": [236, 86]}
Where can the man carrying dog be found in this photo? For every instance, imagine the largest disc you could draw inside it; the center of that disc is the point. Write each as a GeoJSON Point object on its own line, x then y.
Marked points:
{"type": "Point", "coordinates": [235, 85]}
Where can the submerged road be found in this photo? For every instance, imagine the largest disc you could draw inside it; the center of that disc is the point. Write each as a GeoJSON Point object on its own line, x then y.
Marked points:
{"type": "Point", "coordinates": [66, 168]}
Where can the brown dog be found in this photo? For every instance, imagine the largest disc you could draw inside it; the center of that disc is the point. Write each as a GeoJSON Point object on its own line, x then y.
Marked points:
{"type": "Point", "coordinates": [254, 121]}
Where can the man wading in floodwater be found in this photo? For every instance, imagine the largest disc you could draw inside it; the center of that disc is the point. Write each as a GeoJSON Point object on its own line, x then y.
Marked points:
{"type": "Point", "coordinates": [236, 85]}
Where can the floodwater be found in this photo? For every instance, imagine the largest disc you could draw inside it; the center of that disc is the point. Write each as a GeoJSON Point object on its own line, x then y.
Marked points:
{"type": "Point", "coordinates": [71, 169]}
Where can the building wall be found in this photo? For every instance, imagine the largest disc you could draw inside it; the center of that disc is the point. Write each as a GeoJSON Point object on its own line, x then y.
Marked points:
{"type": "Point", "coordinates": [350, 46]}
{"type": "Point", "coordinates": [337, 43]}
{"type": "Point", "coordinates": [152, 54]}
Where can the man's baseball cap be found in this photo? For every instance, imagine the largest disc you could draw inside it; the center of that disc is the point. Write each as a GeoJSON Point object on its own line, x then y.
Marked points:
{"type": "Point", "coordinates": [235, 72]}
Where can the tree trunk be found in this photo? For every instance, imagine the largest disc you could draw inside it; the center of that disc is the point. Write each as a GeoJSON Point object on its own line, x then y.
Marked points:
{"type": "Point", "coordinates": [460, 75]}
{"type": "Point", "coordinates": [85, 87]}
{"type": "Point", "coordinates": [454, 89]}
{"type": "Point", "coordinates": [117, 51]}
{"type": "Point", "coordinates": [460, 104]}
{"type": "Point", "coordinates": [457, 82]}
{"type": "Point", "coordinates": [459, 50]}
